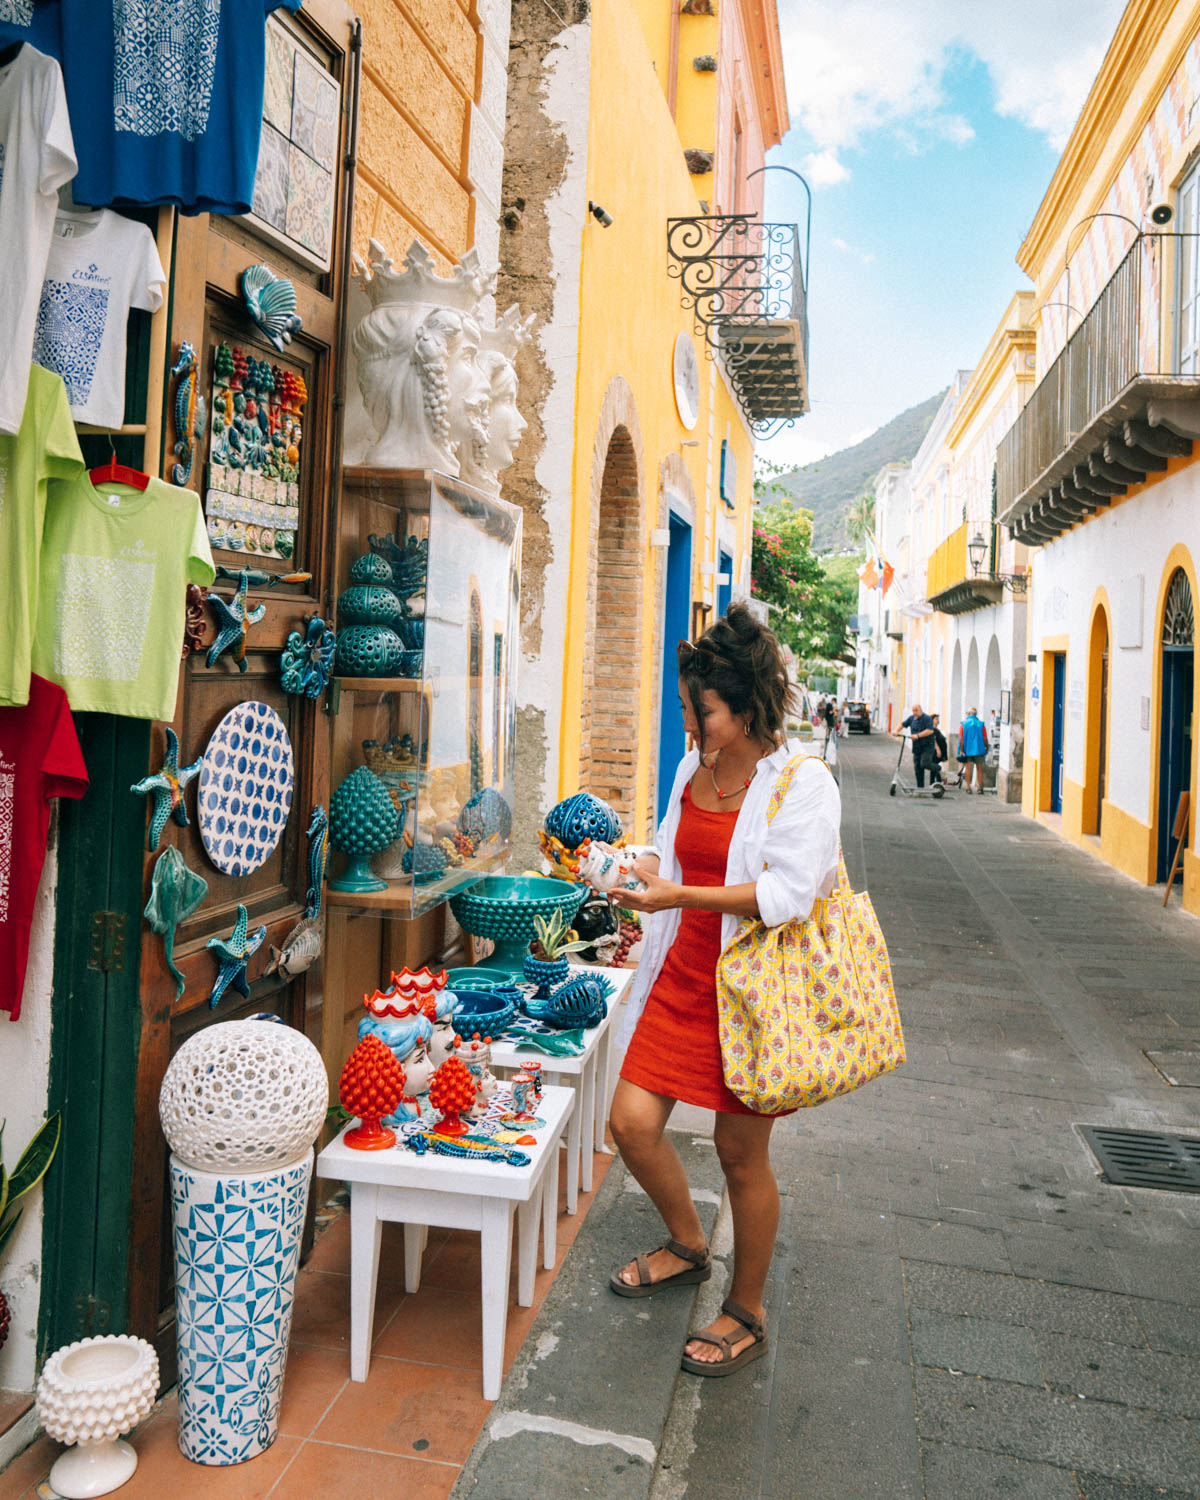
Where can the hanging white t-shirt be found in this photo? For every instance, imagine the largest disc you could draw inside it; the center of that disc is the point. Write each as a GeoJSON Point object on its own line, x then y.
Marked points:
{"type": "Point", "coordinates": [37, 156]}
{"type": "Point", "coordinates": [100, 265]}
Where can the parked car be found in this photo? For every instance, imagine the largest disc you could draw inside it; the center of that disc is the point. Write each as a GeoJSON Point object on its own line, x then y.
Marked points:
{"type": "Point", "coordinates": [857, 716]}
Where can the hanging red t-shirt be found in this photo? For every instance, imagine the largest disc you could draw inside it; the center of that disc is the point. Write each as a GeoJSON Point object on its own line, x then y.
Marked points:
{"type": "Point", "coordinates": [40, 758]}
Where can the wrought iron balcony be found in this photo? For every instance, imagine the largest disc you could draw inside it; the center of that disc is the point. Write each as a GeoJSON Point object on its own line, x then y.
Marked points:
{"type": "Point", "coordinates": [1118, 403]}
{"type": "Point", "coordinates": [743, 282]}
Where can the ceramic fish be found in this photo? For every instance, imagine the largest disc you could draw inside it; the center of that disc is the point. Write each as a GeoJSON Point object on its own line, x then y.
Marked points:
{"type": "Point", "coordinates": [271, 302]}
{"type": "Point", "coordinates": [175, 893]}
{"type": "Point", "coordinates": [300, 950]}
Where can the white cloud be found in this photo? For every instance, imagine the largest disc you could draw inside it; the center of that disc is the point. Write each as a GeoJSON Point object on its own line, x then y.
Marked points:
{"type": "Point", "coordinates": [867, 65]}
{"type": "Point", "coordinates": [863, 255]}
{"type": "Point", "coordinates": [823, 169]}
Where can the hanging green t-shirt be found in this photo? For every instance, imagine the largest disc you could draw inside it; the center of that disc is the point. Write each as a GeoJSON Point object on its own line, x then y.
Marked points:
{"type": "Point", "coordinates": [44, 447]}
{"type": "Point", "coordinates": [116, 563]}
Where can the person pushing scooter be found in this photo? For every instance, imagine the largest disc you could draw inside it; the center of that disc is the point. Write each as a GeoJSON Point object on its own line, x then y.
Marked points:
{"type": "Point", "coordinates": [920, 727]}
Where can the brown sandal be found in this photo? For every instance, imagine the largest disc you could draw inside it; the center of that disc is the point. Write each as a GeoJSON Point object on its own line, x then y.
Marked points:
{"type": "Point", "coordinates": [729, 1361]}
{"type": "Point", "coordinates": [702, 1269]}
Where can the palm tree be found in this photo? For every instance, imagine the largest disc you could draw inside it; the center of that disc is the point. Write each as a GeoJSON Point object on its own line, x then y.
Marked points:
{"type": "Point", "coordinates": [860, 518]}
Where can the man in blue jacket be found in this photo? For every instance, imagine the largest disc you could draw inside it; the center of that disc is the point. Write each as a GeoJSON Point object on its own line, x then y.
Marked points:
{"type": "Point", "coordinates": [972, 748]}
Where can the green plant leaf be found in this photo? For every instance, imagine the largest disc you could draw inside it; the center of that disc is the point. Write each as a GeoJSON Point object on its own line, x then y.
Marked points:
{"type": "Point", "coordinates": [3, 1190]}
{"type": "Point", "coordinates": [6, 1229]}
{"type": "Point", "coordinates": [36, 1158]}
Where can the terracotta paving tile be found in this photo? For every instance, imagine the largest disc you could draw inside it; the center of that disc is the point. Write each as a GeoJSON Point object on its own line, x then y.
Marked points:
{"type": "Point", "coordinates": [403, 1404]}
{"type": "Point", "coordinates": [435, 1319]}
{"type": "Point", "coordinates": [314, 1378]}
{"type": "Point", "coordinates": [322, 1312]}
{"type": "Point", "coordinates": [28, 1469]}
{"type": "Point", "coordinates": [355, 1474]}
{"type": "Point", "coordinates": [332, 1251]}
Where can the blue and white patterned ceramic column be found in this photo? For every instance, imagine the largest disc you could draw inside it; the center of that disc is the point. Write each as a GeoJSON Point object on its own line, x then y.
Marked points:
{"type": "Point", "coordinates": [237, 1250]}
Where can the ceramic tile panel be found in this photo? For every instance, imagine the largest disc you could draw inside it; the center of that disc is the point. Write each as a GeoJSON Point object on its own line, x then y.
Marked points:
{"type": "Point", "coordinates": [271, 183]}
{"type": "Point", "coordinates": [314, 112]}
{"type": "Point", "coordinates": [277, 87]}
{"type": "Point", "coordinates": [310, 203]}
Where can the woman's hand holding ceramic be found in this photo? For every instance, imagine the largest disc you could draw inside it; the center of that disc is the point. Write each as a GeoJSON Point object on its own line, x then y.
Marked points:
{"type": "Point", "coordinates": [656, 895]}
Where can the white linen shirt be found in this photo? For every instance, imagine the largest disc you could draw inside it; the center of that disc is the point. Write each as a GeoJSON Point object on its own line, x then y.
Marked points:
{"type": "Point", "coordinates": [792, 860]}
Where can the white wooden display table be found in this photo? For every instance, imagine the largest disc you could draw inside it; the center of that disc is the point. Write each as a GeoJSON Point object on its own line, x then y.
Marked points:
{"type": "Point", "coordinates": [590, 1074]}
{"type": "Point", "coordinates": [452, 1192]}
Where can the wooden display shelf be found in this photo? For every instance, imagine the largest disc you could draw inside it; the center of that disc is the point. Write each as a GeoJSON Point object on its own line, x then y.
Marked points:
{"type": "Point", "coordinates": [399, 894]}
{"type": "Point", "coordinates": [379, 684]}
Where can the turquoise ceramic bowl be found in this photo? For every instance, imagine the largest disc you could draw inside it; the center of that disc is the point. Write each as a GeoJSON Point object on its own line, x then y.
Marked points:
{"type": "Point", "coordinates": [502, 907]}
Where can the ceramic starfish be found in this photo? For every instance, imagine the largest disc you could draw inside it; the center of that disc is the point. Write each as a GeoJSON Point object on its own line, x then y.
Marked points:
{"type": "Point", "coordinates": [234, 619]}
{"type": "Point", "coordinates": [167, 786]}
{"type": "Point", "coordinates": [233, 953]}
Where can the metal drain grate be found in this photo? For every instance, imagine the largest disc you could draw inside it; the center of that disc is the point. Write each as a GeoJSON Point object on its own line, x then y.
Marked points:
{"type": "Point", "coordinates": [1145, 1158]}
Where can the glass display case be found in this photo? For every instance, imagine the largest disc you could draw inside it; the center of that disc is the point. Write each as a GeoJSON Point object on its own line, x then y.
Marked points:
{"type": "Point", "coordinates": [424, 692]}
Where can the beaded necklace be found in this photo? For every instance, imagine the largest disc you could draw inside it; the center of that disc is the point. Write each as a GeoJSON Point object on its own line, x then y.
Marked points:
{"type": "Point", "coordinates": [472, 1148]}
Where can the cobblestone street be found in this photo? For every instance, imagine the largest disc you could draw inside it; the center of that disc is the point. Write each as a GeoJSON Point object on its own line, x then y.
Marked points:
{"type": "Point", "coordinates": [959, 1307]}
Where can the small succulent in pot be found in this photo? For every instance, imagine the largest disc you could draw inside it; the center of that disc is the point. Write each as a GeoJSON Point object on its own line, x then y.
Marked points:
{"type": "Point", "coordinates": [546, 962]}
{"type": "Point", "coordinates": [29, 1171]}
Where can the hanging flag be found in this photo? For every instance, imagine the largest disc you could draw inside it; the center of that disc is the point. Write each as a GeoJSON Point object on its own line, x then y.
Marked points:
{"type": "Point", "coordinates": [868, 576]}
{"type": "Point", "coordinates": [886, 576]}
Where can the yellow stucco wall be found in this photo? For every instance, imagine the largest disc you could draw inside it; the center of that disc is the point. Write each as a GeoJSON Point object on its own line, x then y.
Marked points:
{"type": "Point", "coordinates": [418, 82]}
{"type": "Point", "coordinates": [630, 315]}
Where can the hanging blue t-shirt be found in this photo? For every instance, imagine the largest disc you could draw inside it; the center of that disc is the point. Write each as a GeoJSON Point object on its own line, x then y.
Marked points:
{"type": "Point", "coordinates": [34, 21]}
{"type": "Point", "coordinates": [165, 98]}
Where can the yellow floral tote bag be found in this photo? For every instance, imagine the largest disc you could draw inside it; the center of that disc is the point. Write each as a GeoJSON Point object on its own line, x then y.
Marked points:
{"type": "Point", "coordinates": [807, 1010]}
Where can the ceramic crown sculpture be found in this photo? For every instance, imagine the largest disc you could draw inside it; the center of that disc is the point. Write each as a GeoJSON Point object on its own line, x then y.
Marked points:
{"type": "Point", "coordinates": [243, 1096]}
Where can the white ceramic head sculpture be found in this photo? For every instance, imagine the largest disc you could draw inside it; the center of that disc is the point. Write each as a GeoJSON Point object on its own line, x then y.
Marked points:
{"type": "Point", "coordinates": [243, 1096]}
{"type": "Point", "coordinates": [477, 1054]}
{"type": "Point", "coordinates": [416, 351]}
{"type": "Point", "coordinates": [481, 461]}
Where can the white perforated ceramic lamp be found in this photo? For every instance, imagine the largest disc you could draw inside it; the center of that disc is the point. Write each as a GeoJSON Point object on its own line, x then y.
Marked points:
{"type": "Point", "coordinates": [243, 1096]}
{"type": "Point", "coordinates": [89, 1393]}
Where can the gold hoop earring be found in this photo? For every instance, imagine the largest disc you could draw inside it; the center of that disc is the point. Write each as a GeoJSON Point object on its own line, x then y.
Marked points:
{"type": "Point", "coordinates": [746, 728]}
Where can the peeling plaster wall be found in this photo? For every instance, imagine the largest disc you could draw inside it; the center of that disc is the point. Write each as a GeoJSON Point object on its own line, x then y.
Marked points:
{"type": "Point", "coordinates": [24, 1084]}
{"type": "Point", "coordinates": [542, 220]}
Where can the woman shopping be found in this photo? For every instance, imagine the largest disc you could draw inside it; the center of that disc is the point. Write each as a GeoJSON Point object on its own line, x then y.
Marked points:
{"type": "Point", "coordinates": [724, 854]}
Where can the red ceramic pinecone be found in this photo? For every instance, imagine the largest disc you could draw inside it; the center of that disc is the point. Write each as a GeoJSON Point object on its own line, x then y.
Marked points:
{"type": "Point", "coordinates": [372, 1082]}
{"type": "Point", "coordinates": [452, 1090]}
{"type": "Point", "coordinates": [5, 1319]}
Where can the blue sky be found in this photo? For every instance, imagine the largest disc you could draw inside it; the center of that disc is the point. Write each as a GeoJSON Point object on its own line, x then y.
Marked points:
{"type": "Point", "coordinates": [928, 131]}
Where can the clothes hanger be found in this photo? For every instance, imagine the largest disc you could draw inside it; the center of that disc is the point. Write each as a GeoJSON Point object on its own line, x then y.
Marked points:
{"type": "Point", "coordinates": [115, 473]}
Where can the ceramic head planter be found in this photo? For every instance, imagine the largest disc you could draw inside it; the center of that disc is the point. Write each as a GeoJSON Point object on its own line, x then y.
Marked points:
{"type": "Point", "coordinates": [404, 1027]}
{"type": "Point", "coordinates": [480, 462]}
{"type": "Point", "coordinates": [416, 353]}
{"type": "Point", "coordinates": [446, 1039]}
{"type": "Point", "coordinates": [477, 1054]}
{"type": "Point", "coordinates": [608, 869]}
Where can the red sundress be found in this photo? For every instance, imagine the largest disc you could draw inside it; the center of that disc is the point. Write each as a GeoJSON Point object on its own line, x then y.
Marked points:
{"type": "Point", "coordinates": [676, 1050]}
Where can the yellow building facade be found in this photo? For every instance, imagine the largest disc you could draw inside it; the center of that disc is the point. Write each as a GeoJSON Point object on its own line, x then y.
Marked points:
{"type": "Point", "coordinates": [1099, 475]}
{"type": "Point", "coordinates": [640, 532]}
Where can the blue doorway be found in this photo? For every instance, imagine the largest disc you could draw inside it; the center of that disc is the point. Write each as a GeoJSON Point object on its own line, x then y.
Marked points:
{"type": "Point", "coordinates": [1056, 733]}
{"type": "Point", "coordinates": [1175, 725]}
{"type": "Point", "coordinates": [677, 614]}
{"type": "Point", "coordinates": [724, 581]}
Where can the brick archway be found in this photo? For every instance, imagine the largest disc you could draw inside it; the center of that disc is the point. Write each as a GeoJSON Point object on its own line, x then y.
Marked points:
{"type": "Point", "coordinates": [608, 757]}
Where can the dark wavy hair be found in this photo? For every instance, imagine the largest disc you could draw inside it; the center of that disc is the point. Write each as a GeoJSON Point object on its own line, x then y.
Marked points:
{"type": "Point", "coordinates": [741, 661]}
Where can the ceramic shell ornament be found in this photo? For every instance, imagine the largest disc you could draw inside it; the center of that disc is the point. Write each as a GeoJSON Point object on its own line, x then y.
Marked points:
{"type": "Point", "coordinates": [271, 302]}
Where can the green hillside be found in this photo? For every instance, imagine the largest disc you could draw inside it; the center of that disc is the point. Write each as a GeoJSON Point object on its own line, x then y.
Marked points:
{"type": "Point", "coordinates": [829, 486]}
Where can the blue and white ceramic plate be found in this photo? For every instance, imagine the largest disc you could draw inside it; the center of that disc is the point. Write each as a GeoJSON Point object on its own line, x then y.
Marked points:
{"type": "Point", "coordinates": [245, 788]}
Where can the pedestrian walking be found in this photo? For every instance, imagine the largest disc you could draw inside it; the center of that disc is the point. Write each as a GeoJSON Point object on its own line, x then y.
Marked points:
{"type": "Point", "coordinates": [973, 748]}
{"type": "Point", "coordinates": [720, 859]}
{"type": "Point", "coordinates": [920, 727]}
{"type": "Point", "coordinates": [831, 729]}
{"type": "Point", "coordinates": [941, 751]}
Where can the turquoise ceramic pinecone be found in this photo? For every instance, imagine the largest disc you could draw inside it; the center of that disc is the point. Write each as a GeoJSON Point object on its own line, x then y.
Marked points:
{"type": "Point", "coordinates": [362, 817]}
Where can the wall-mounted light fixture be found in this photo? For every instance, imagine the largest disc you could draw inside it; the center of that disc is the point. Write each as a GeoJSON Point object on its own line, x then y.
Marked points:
{"type": "Point", "coordinates": [977, 548]}
{"type": "Point", "coordinates": [600, 214]}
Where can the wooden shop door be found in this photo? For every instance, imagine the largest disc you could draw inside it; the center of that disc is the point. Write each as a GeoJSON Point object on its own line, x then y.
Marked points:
{"type": "Point", "coordinates": [266, 470]}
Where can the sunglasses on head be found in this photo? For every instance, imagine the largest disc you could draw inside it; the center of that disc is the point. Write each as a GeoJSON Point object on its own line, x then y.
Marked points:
{"type": "Point", "coordinates": [702, 654]}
